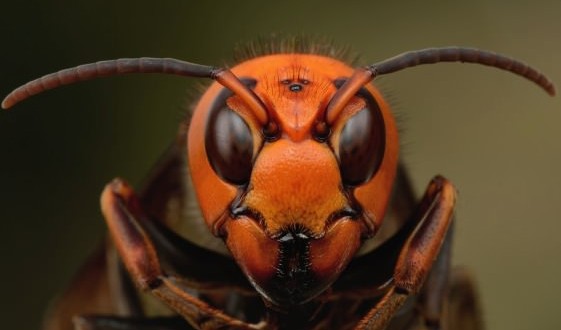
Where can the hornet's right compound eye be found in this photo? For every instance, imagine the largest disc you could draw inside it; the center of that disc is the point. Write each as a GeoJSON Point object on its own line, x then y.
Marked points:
{"type": "Point", "coordinates": [229, 146]}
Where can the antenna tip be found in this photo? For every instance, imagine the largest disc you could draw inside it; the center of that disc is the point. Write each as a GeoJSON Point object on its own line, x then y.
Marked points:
{"type": "Point", "coordinates": [7, 103]}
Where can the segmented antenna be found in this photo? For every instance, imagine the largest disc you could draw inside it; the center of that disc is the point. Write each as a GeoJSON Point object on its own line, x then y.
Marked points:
{"type": "Point", "coordinates": [462, 54]}
{"type": "Point", "coordinates": [104, 69]}
{"type": "Point", "coordinates": [430, 56]}
{"type": "Point", "coordinates": [137, 65]}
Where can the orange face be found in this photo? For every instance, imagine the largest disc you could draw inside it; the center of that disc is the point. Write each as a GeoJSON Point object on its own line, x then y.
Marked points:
{"type": "Point", "coordinates": [293, 198]}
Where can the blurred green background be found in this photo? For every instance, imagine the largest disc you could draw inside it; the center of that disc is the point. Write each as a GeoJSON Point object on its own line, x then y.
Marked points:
{"type": "Point", "coordinates": [495, 135]}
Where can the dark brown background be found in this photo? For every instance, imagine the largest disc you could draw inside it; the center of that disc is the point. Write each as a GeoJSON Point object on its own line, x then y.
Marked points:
{"type": "Point", "coordinates": [496, 136]}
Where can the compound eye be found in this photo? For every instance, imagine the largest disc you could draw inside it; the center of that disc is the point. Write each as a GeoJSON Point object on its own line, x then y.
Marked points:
{"type": "Point", "coordinates": [361, 145]}
{"type": "Point", "coordinates": [229, 146]}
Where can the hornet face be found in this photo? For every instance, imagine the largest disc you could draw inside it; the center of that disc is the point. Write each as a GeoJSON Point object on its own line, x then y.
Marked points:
{"type": "Point", "coordinates": [292, 199]}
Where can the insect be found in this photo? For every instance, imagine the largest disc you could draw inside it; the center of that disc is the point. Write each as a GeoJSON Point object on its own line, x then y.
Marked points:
{"type": "Point", "coordinates": [305, 219]}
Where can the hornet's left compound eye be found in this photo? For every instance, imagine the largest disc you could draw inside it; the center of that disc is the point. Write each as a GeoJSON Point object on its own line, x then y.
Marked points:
{"type": "Point", "coordinates": [361, 145]}
{"type": "Point", "coordinates": [229, 146]}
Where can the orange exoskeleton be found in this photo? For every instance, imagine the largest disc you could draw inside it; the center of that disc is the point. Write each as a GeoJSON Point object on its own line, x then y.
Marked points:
{"type": "Point", "coordinates": [293, 158]}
